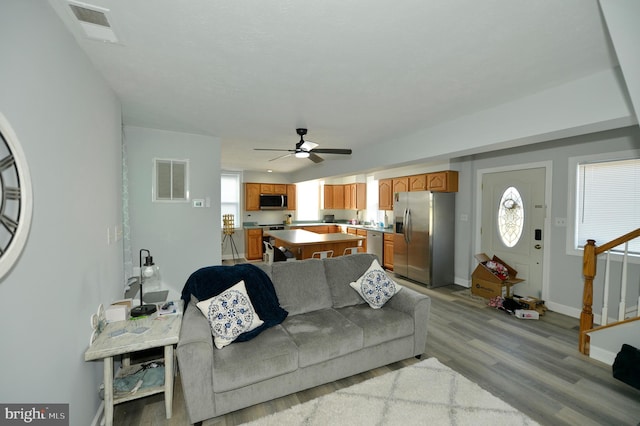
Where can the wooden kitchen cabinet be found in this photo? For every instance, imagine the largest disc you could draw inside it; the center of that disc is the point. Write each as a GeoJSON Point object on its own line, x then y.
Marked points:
{"type": "Point", "coordinates": [418, 182]}
{"type": "Point", "coordinates": [253, 244]}
{"type": "Point", "coordinates": [400, 184]}
{"type": "Point", "coordinates": [334, 196]}
{"type": "Point", "coordinates": [387, 253]}
{"type": "Point", "coordinates": [252, 193]}
{"type": "Point", "coordinates": [273, 188]}
{"type": "Point", "coordinates": [252, 196]}
{"type": "Point", "coordinates": [291, 197]}
{"type": "Point", "coordinates": [445, 181]}
{"type": "Point", "coordinates": [385, 194]}
{"type": "Point", "coordinates": [355, 196]}
{"type": "Point", "coordinates": [362, 233]}
{"type": "Point", "coordinates": [338, 196]}
{"type": "Point", "coordinates": [318, 229]}
{"type": "Point", "coordinates": [328, 197]}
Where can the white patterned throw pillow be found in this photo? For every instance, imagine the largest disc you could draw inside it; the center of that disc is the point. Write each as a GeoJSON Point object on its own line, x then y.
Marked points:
{"type": "Point", "coordinates": [375, 286]}
{"type": "Point", "coordinates": [230, 314]}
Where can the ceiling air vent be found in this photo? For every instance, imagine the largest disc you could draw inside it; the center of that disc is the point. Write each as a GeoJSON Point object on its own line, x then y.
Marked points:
{"type": "Point", "coordinates": [94, 21]}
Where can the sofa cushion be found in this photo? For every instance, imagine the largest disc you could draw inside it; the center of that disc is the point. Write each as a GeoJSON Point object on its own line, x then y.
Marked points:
{"type": "Point", "coordinates": [230, 314]}
{"type": "Point", "coordinates": [301, 286]}
{"type": "Point", "coordinates": [213, 280]}
{"type": "Point", "coordinates": [375, 287]}
{"type": "Point", "coordinates": [323, 335]}
{"type": "Point", "coordinates": [342, 270]}
{"type": "Point", "coordinates": [268, 355]}
{"type": "Point", "coordinates": [379, 325]}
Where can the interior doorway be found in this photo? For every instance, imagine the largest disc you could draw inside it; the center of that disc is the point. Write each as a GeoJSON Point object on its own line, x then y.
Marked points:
{"type": "Point", "coordinates": [512, 221]}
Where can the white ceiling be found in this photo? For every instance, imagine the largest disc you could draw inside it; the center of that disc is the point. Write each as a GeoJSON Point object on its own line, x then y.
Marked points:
{"type": "Point", "coordinates": [352, 72]}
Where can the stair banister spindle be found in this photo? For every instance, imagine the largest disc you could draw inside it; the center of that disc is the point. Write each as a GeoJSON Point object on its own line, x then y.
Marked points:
{"type": "Point", "coordinates": [605, 296]}
{"type": "Point", "coordinates": [623, 282]}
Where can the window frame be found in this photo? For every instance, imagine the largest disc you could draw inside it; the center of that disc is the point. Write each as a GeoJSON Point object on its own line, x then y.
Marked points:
{"type": "Point", "coordinates": [239, 204]}
{"type": "Point", "coordinates": [573, 215]}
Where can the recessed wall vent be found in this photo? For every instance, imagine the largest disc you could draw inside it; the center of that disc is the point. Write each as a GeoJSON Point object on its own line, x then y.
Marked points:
{"type": "Point", "coordinates": [90, 16]}
{"type": "Point", "coordinates": [94, 21]}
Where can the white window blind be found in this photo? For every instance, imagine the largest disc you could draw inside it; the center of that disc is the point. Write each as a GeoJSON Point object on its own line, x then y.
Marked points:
{"type": "Point", "coordinates": [308, 198]}
{"type": "Point", "coordinates": [608, 204]}
{"type": "Point", "coordinates": [230, 196]}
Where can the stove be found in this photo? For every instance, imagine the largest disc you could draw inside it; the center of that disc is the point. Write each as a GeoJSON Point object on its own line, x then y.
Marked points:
{"type": "Point", "coordinates": [272, 227]}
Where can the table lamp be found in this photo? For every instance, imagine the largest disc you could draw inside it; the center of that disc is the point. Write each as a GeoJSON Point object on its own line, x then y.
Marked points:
{"type": "Point", "coordinates": [149, 271]}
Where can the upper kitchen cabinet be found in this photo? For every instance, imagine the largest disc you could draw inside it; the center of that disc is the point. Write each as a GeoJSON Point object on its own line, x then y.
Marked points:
{"type": "Point", "coordinates": [400, 184]}
{"type": "Point", "coordinates": [291, 197]}
{"type": "Point", "coordinates": [252, 196]}
{"type": "Point", "coordinates": [355, 196]}
{"type": "Point", "coordinates": [445, 181]}
{"type": "Point", "coordinates": [334, 196]}
{"type": "Point", "coordinates": [273, 188]}
{"type": "Point", "coordinates": [385, 194]}
{"type": "Point", "coordinates": [418, 183]}
{"type": "Point", "coordinates": [252, 193]}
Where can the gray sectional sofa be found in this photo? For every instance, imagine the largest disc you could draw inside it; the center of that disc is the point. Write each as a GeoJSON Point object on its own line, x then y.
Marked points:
{"type": "Point", "coordinates": [329, 333]}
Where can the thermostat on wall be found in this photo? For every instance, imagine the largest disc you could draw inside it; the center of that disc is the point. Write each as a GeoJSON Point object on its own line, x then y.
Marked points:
{"type": "Point", "coordinates": [198, 203]}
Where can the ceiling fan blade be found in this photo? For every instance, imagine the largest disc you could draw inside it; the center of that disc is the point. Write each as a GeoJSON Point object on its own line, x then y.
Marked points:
{"type": "Point", "coordinates": [281, 156]}
{"type": "Point", "coordinates": [332, 151]}
{"type": "Point", "coordinates": [315, 158]}
{"type": "Point", "coordinates": [308, 145]}
{"type": "Point", "coordinates": [270, 149]}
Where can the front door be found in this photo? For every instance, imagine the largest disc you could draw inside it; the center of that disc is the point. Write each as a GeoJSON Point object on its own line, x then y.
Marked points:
{"type": "Point", "coordinates": [513, 215]}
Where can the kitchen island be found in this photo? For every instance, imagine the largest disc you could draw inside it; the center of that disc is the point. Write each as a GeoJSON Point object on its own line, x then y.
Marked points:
{"type": "Point", "coordinates": [304, 243]}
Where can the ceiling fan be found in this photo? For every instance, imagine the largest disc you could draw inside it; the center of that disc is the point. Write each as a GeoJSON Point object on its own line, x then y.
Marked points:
{"type": "Point", "coordinates": [307, 149]}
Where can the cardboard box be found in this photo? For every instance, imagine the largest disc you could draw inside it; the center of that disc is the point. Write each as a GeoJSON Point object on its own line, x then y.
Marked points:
{"type": "Point", "coordinates": [531, 303]}
{"type": "Point", "coordinates": [486, 284]}
{"type": "Point", "coordinates": [527, 314]}
{"type": "Point", "coordinates": [118, 311]}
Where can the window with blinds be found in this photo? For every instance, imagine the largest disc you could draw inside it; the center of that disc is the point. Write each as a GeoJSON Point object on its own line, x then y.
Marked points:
{"type": "Point", "coordinates": [230, 196]}
{"type": "Point", "coordinates": [607, 202]}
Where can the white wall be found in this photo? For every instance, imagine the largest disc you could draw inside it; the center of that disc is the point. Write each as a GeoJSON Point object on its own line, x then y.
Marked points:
{"type": "Point", "coordinates": [67, 120]}
{"type": "Point", "coordinates": [566, 280]}
{"type": "Point", "coordinates": [181, 238]}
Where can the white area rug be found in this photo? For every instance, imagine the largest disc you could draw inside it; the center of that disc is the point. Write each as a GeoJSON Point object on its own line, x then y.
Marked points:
{"type": "Point", "coordinates": [426, 393]}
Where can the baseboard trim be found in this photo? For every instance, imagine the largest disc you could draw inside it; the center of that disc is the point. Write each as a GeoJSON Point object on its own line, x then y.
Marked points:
{"type": "Point", "coordinates": [463, 282]}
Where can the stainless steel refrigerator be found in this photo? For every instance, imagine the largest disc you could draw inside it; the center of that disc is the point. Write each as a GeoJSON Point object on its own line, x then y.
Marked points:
{"type": "Point", "coordinates": [423, 248]}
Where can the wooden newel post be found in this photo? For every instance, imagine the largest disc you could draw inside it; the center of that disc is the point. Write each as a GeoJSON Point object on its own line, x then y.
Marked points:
{"type": "Point", "coordinates": [586, 316]}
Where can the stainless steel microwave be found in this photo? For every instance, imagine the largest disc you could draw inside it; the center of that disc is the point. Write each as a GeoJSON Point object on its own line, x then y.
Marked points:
{"type": "Point", "coordinates": [273, 202]}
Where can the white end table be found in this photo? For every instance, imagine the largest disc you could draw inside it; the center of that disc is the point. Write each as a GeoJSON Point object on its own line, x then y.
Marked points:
{"type": "Point", "coordinates": [163, 331]}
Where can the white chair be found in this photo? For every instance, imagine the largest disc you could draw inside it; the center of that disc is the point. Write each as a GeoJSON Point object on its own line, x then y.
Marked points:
{"type": "Point", "coordinates": [268, 253]}
{"type": "Point", "coordinates": [350, 250]}
{"type": "Point", "coordinates": [322, 254]}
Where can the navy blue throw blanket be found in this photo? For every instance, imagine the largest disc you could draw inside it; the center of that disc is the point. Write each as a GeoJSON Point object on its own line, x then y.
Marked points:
{"type": "Point", "coordinates": [212, 280]}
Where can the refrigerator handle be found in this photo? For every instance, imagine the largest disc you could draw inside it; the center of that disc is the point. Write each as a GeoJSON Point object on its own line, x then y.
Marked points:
{"type": "Point", "coordinates": [409, 226]}
{"type": "Point", "coordinates": [404, 226]}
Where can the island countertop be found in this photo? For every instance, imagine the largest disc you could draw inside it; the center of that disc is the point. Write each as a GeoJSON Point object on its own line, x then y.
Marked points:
{"type": "Point", "coordinates": [300, 237]}
{"type": "Point", "coordinates": [303, 244]}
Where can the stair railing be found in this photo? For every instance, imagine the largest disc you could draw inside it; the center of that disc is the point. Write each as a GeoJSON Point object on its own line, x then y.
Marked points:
{"type": "Point", "coordinates": [589, 261]}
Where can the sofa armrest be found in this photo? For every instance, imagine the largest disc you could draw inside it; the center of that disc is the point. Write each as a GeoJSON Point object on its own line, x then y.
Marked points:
{"type": "Point", "coordinates": [195, 360]}
{"type": "Point", "coordinates": [417, 305]}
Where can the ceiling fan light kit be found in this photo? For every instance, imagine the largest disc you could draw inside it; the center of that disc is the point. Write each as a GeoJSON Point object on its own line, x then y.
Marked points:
{"type": "Point", "coordinates": [307, 149]}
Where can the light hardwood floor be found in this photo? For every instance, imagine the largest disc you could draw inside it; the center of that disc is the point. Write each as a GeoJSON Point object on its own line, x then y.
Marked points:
{"type": "Point", "coordinates": [532, 365]}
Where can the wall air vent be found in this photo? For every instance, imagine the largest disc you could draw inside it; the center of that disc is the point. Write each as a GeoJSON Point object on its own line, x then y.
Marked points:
{"type": "Point", "coordinates": [90, 16]}
{"type": "Point", "coordinates": [94, 21]}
